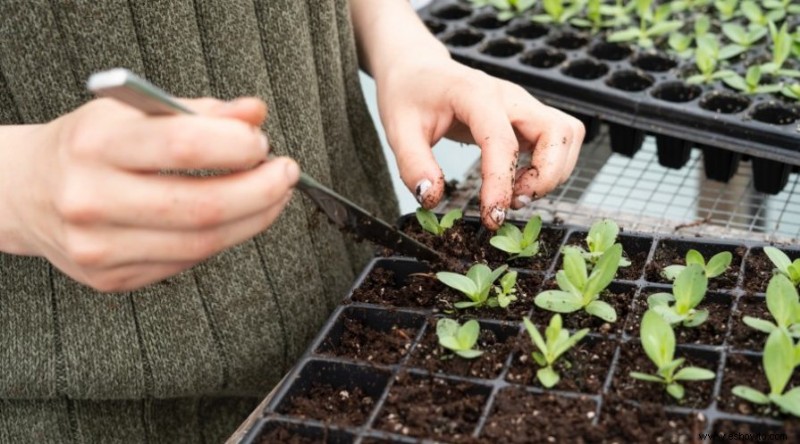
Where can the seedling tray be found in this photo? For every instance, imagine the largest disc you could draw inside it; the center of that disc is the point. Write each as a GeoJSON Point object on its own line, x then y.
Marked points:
{"type": "Point", "coordinates": [375, 373]}
{"type": "Point", "coordinates": [635, 91]}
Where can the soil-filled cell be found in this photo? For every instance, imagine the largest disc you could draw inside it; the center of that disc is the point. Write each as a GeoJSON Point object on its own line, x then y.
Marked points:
{"type": "Point", "coordinates": [618, 295]}
{"type": "Point", "coordinates": [274, 431]}
{"type": "Point", "coordinates": [745, 369]}
{"type": "Point", "coordinates": [759, 269]}
{"type": "Point", "coordinates": [673, 252]}
{"type": "Point", "coordinates": [634, 248]}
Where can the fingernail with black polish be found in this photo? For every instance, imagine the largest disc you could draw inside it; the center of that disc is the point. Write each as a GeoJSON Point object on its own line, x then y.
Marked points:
{"type": "Point", "coordinates": [421, 189]}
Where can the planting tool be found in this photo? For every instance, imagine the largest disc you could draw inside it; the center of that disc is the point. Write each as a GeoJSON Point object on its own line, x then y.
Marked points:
{"type": "Point", "coordinates": [132, 90]}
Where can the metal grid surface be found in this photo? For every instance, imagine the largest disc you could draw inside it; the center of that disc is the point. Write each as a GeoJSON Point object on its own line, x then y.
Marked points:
{"type": "Point", "coordinates": [643, 196]}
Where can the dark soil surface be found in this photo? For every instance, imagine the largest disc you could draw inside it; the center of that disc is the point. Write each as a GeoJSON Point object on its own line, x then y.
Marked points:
{"type": "Point", "coordinates": [726, 430]}
{"type": "Point", "coordinates": [671, 254]}
{"type": "Point", "coordinates": [432, 408]}
{"type": "Point", "coordinates": [635, 249]}
{"type": "Point", "coordinates": [467, 241]}
{"type": "Point", "coordinates": [646, 423]}
{"type": "Point", "coordinates": [522, 417]}
{"type": "Point", "coordinates": [359, 341]}
{"type": "Point", "coordinates": [527, 288]}
{"type": "Point", "coordinates": [710, 332]}
{"type": "Point", "coordinates": [349, 407]}
{"type": "Point", "coordinates": [428, 354]}
{"type": "Point", "coordinates": [582, 369]}
{"type": "Point", "coordinates": [618, 295]}
{"type": "Point", "coordinates": [742, 336]}
{"type": "Point", "coordinates": [633, 359]}
{"type": "Point", "coordinates": [419, 290]}
{"type": "Point", "coordinates": [747, 370]}
{"type": "Point", "coordinates": [758, 270]}
{"type": "Point", "coordinates": [286, 435]}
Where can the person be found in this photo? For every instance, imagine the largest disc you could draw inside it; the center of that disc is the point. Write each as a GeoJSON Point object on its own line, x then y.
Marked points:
{"type": "Point", "coordinates": [138, 306]}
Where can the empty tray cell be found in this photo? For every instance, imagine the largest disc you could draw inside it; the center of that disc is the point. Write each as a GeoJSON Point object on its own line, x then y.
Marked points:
{"type": "Point", "coordinates": [632, 358]}
{"type": "Point", "coordinates": [758, 269]}
{"type": "Point", "coordinates": [634, 248]}
{"type": "Point", "coordinates": [398, 283]}
{"type": "Point", "coordinates": [462, 38]}
{"type": "Point", "coordinates": [677, 92]}
{"type": "Point", "coordinates": [770, 176]}
{"type": "Point", "coordinates": [624, 139]}
{"type": "Point", "coordinates": [520, 416]}
{"type": "Point", "coordinates": [583, 369]}
{"type": "Point", "coordinates": [495, 341]}
{"type": "Point", "coordinates": [568, 40]}
{"type": "Point", "coordinates": [673, 252]}
{"type": "Point", "coordinates": [486, 21]}
{"type": "Point", "coordinates": [623, 421]}
{"type": "Point", "coordinates": [435, 27]}
{"type": "Point", "coordinates": [333, 392]}
{"type": "Point", "coordinates": [724, 102]}
{"type": "Point", "coordinates": [274, 430]}
{"type": "Point", "coordinates": [630, 80]}
{"type": "Point", "coordinates": [654, 62]}
{"type": "Point", "coordinates": [527, 287]}
{"type": "Point", "coordinates": [526, 30]}
{"type": "Point", "coordinates": [711, 332]}
{"type": "Point", "coordinates": [543, 58]}
{"type": "Point", "coordinates": [775, 113]}
{"type": "Point", "coordinates": [610, 51]}
{"type": "Point", "coordinates": [747, 369]}
{"type": "Point", "coordinates": [504, 47]}
{"type": "Point", "coordinates": [673, 152]}
{"type": "Point", "coordinates": [452, 12]}
{"type": "Point", "coordinates": [585, 69]}
{"type": "Point", "coordinates": [619, 295]}
{"type": "Point", "coordinates": [720, 164]}
{"type": "Point", "coordinates": [374, 335]}
{"type": "Point", "coordinates": [742, 336]}
{"type": "Point", "coordinates": [432, 407]}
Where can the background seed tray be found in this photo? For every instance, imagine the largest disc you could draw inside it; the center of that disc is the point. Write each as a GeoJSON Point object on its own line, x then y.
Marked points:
{"type": "Point", "coordinates": [382, 381]}
{"type": "Point", "coordinates": [635, 91]}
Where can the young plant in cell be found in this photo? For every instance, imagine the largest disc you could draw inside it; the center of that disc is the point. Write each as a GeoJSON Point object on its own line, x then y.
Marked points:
{"type": "Point", "coordinates": [652, 24]}
{"type": "Point", "coordinates": [559, 11]}
{"type": "Point", "coordinates": [789, 6]}
{"type": "Point", "coordinates": [602, 236]}
{"type": "Point", "coordinates": [428, 221]}
{"type": "Point", "coordinates": [460, 339]}
{"type": "Point", "coordinates": [506, 9]}
{"type": "Point", "coordinates": [792, 91]}
{"type": "Point", "coordinates": [681, 44]}
{"type": "Point", "coordinates": [780, 358]}
{"type": "Point", "coordinates": [751, 82]}
{"type": "Point", "coordinates": [707, 58]}
{"type": "Point", "coordinates": [556, 342]}
{"type": "Point", "coordinates": [476, 285]}
{"type": "Point", "coordinates": [757, 16]}
{"type": "Point", "coordinates": [742, 38]}
{"type": "Point", "coordinates": [784, 265]}
{"type": "Point", "coordinates": [782, 42]}
{"type": "Point", "coordinates": [507, 291]}
{"type": "Point", "coordinates": [717, 265]}
{"type": "Point", "coordinates": [688, 5]}
{"type": "Point", "coordinates": [579, 290]}
{"type": "Point", "coordinates": [618, 14]}
{"type": "Point", "coordinates": [727, 9]}
{"type": "Point", "coordinates": [594, 17]}
{"type": "Point", "coordinates": [658, 341]}
{"type": "Point", "coordinates": [783, 304]}
{"type": "Point", "coordinates": [688, 291]}
{"type": "Point", "coordinates": [518, 243]}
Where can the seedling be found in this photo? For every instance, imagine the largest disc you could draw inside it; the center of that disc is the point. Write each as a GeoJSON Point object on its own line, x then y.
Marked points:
{"type": "Point", "coordinates": [790, 6]}
{"type": "Point", "coordinates": [651, 25]}
{"type": "Point", "coordinates": [460, 339]}
{"type": "Point", "coordinates": [757, 16]}
{"type": "Point", "coordinates": [690, 5]}
{"type": "Point", "coordinates": [782, 43]}
{"type": "Point", "coordinates": [475, 285]}
{"type": "Point", "coordinates": [518, 243]}
{"type": "Point", "coordinates": [428, 221]}
{"type": "Point", "coordinates": [743, 39]}
{"type": "Point", "coordinates": [506, 9]}
{"type": "Point", "coordinates": [658, 341]}
{"type": "Point", "coordinates": [751, 82]}
{"type": "Point", "coordinates": [727, 8]}
{"type": "Point", "coordinates": [555, 343]}
{"type": "Point", "coordinates": [717, 265]}
{"type": "Point", "coordinates": [780, 358]}
{"type": "Point", "coordinates": [784, 306]}
{"type": "Point", "coordinates": [784, 265]}
{"type": "Point", "coordinates": [578, 289]}
{"type": "Point", "coordinates": [688, 291]}
{"type": "Point", "coordinates": [594, 17]}
{"type": "Point", "coordinates": [601, 237]}
{"type": "Point", "coordinates": [558, 12]}
{"type": "Point", "coordinates": [792, 91]}
{"type": "Point", "coordinates": [619, 12]}
{"type": "Point", "coordinates": [707, 58]}
{"type": "Point", "coordinates": [506, 292]}
{"type": "Point", "coordinates": [681, 44]}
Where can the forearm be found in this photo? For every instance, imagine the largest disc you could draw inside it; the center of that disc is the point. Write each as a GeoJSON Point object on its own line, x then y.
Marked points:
{"type": "Point", "coordinates": [15, 145]}
{"type": "Point", "coordinates": [388, 30]}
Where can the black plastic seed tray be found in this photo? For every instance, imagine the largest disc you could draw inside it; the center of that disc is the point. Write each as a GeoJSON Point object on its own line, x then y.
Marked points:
{"type": "Point", "coordinates": [636, 92]}
{"type": "Point", "coordinates": [377, 356]}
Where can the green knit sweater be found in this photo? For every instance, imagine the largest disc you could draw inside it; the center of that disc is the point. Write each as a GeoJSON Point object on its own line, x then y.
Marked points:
{"type": "Point", "coordinates": [184, 360]}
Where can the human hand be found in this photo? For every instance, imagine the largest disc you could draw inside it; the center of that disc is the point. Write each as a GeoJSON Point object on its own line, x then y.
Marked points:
{"type": "Point", "coordinates": [86, 192]}
{"type": "Point", "coordinates": [421, 100]}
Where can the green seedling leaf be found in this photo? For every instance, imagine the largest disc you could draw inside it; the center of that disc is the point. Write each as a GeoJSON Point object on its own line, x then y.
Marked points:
{"type": "Point", "coordinates": [789, 402]}
{"type": "Point", "coordinates": [555, 343]}
{"type": "Point", "coordinates": [718, 264]}
{"type": "Point", "coordinates": [476, 285]}
{"type": "Point", "coordinates": [689, 288]}
{"type": "Point", "coordinates": [558, 301]}
{"type": "Point", "coordinates": [759, 324]}
{"type": "Point", "coordinates": [602, 310]}
{"type": "Point", "coordinates": [507, 289]}
{"type": "Point", "coordinates": [575, 268]}
{"type": "Point", "coordinates": [460, 339]}
{"type": "Point", "coordinates": [675, 390]}
{"type": "Point", "coordinates": [428, 221]}
{"type": "Point", "coordinates": [646, 377]}
{"type": "Point", "coordinates": [693, 374]}
{"type": "Point", "coordinates": [778, 360]}
{"type": "Point", "coordinates": [516, 242]}
{"type": "Point", "coordinates": [750, 394]}
{"type": "Point", "coordinates": [604, 272]}
{"type": "Point", "coordinates": [547, 376]}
